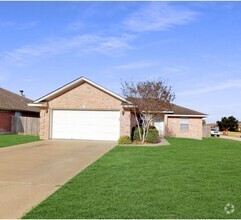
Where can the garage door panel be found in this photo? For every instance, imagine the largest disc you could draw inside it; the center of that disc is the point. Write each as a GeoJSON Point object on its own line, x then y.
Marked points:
{"type": "Point", "coordinates": [88, 125]}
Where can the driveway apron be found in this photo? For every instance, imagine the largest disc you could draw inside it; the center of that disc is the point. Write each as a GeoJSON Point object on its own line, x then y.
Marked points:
{"type": "Point", "coordinates": [31, 172]}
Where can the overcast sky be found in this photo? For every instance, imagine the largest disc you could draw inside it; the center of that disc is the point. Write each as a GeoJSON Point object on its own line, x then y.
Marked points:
{"type": "Point", "coordinates": [194, 46]}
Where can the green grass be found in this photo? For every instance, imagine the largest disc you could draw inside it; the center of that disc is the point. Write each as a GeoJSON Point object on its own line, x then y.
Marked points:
{"type": "Point", "coordinates": [187, 179]}
{"type": "Point", "coordinates": [7, 140]}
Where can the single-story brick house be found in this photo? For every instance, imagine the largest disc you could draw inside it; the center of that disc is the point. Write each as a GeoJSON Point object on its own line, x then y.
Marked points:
{"type": "Point", "coordinates": [12, 104]}
{"type": "Point", "coordinates": [83, 109]}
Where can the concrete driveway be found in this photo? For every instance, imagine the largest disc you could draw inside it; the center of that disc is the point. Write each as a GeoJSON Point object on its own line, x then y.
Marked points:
{"type": "Point", "coordinates": [31, 172]}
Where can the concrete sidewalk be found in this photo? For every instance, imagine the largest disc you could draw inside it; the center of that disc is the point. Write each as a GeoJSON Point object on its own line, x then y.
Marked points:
{"type": "Point", "coordinates": [230, 138]}
{"type": "Point", "coordinates": [31, 172]}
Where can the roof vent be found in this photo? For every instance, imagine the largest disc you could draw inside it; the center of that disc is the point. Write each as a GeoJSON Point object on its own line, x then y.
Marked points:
{"type": "Point", "coordinates": [21, 93]}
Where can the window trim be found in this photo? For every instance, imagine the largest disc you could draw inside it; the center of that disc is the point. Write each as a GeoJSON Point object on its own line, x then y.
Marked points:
{"type": "Point", "coordinates": [184, 124]}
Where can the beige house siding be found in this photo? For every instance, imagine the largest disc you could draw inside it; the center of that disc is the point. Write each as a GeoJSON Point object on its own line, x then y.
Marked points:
{"type": "Point", "coordinates": [133, 120]}
{"type": "Point", "coordinates": [125, 123]}
{"type": "Point", "coordinates": [84, 97]}
{"type": "Point", "coordinates": [44, 124]}
{"type": "Point", "coordinates": [173, 128]}
{"type": "Point", "coordinates": [89, 97]}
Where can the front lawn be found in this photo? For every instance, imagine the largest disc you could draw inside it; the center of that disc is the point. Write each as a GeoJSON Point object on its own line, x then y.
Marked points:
{"type": "Point", "coordinates": [186, 179]}
{"type": "Point", "coordinates": [10, 139]}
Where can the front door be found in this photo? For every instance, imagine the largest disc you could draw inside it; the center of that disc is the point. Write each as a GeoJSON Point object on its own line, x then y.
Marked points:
{"type": "Point", "coordinates": [158, 122]}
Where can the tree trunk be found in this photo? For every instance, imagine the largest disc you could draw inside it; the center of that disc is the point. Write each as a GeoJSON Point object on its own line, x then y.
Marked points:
{"type": "Point", "coordinates": [147, 119]}
{"type": "Point", "coordinates": [143, 117]}
{"type": "Point", "coordinates": [144, 135]}
{"type": "Point", "coordinates": [138, 125]}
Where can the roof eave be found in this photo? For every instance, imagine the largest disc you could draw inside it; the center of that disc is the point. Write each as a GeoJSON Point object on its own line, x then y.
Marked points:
{"type": "Point", "coordinates": [37, 104]}
{"type": "Point", "coordinates": [189, 115]}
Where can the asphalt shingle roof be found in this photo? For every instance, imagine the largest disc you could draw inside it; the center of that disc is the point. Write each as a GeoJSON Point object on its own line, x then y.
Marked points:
{"type": "Point", "coordinates": [176, 109]}
{"type": "Point", "coordinates": [179, 110]}
{"type": "Point", "coordinates": [15, 102]}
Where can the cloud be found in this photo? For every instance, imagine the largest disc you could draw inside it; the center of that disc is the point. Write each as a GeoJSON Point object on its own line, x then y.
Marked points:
{"type": "Point", "coordinates": [26, 26]}
{"type": "Point", "coordinates": [75, 26]}
{"type": "Point", "coordinates": [174, 69]}
{"type": "Point", "coordinates": [80, 44]}
{"type": "Point", "coordinates": [23, 26]}
{"type": "Point", "coordinates": [229, 84]}
{"type": "Point", "coordinates": [3, 75]}
{"type": "Point", "coordinates": [135, 65]}
{"type": "Point", "coordinates": [111, 45]}
{"type": "Point", "coordinates": [158, 16]}
{"type": "Point", "coordinates": [6, 23]}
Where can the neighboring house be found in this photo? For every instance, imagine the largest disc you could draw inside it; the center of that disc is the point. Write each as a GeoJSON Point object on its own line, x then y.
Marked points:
{"type": "Point", "coordinates": [239, 126]}
{"type": "Point", "coordinates": [212, 125]}
{"type": "Point", "coordinates": [12, 104]}
{"type": "Point", "coordinates": [83, 109]}
{"type": "Point", "coordinates": [207, 129]}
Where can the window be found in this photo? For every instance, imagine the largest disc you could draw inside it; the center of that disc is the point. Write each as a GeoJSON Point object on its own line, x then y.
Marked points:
{"type": "Point", "coordinates": [184, 124]}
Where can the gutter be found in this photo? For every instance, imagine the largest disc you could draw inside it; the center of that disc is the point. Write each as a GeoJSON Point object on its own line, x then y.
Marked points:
{"type": "Point", "coordinates": [37, 105]}
{"type": "Point", "coordinates": [195, 116]}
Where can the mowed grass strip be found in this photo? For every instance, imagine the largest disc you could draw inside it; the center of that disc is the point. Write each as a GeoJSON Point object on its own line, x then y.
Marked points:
{"type": "Point", "coordinates": [7, 140]}
{"type": "Point", "coordinates": [187, 179]}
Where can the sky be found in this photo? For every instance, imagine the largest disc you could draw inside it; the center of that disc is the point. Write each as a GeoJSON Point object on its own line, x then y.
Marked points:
{"type": "Point", "coordinates": [194, 46]}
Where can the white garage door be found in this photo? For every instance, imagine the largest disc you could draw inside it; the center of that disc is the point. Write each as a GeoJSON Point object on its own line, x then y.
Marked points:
{"type": "Point", "coordinates": [86, 125]}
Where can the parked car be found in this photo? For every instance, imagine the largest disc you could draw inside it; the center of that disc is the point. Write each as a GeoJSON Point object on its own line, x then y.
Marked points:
{"type": "Point", "coordinates": [215, 132]}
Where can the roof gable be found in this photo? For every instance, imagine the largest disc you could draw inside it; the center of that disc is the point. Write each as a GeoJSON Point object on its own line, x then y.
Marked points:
{"type": "Point", "coordinates": [85, 96]}
{"type": "Point", "coordinates": [74, 84]}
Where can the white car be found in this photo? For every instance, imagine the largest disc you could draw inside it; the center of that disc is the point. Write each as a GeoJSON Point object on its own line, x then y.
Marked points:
{"type": "Point", "coordinates": [215, 132]}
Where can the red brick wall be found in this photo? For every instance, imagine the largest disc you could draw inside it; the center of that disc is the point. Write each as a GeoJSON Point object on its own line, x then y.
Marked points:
{"type": "Point", "coordinates": [5, 121]}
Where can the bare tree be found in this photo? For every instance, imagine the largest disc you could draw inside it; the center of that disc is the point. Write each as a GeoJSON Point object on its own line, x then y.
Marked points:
{"type": "Point", "coordinates": [147, 97]}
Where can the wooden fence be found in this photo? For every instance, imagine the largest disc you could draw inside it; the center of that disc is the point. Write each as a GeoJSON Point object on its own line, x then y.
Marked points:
{"type": "Point", "coordinates": [206, 130]}
{"type": "Point", "coordinates": [25, 125]}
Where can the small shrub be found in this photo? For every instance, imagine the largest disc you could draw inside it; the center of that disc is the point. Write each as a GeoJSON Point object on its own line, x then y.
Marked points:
{"type": "Point", "coordinates": [124, 140]}
{"type": "Point", "coordinates": [152, 136]}
{"type": "Point", "coordinates": [136, 136]}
